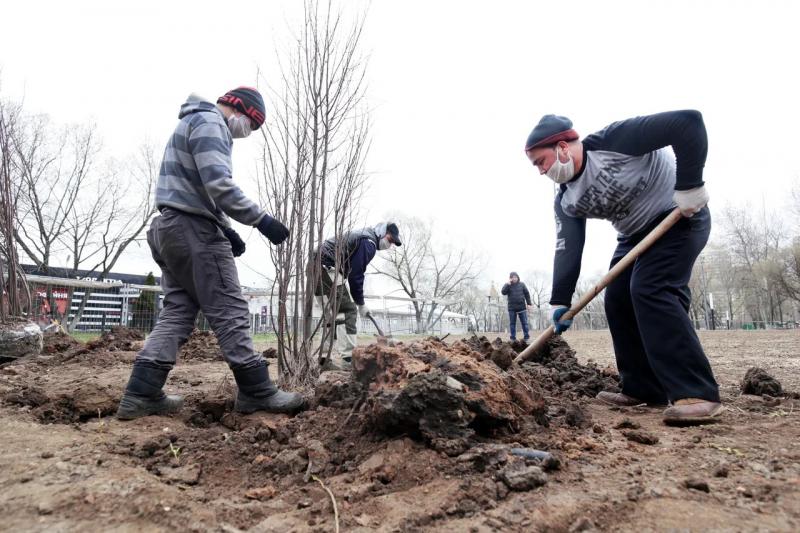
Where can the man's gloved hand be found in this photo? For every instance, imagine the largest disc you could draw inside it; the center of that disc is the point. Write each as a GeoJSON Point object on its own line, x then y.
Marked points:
{"type": "Point", "coordinates": [273, 229]}
{"type": "Point", "coordinates": [237, 244]}
{"type": "Point", "coordinates": [363, 310]}
{"type": "Point", "coordinates": [691, 201]}
{"type": "Point", "coordinates": [560, 325]}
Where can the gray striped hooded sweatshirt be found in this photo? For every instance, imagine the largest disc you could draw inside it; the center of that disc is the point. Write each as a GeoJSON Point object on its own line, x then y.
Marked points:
{"type": "Point", "coordinates": [195, 175]}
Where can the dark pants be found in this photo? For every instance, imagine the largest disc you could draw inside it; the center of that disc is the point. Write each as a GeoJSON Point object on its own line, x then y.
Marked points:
{"type": "Point", "coordinates": [659, 356]}
{"type": "Point", "coordinates": [197, 274]}
{"type": "Point", "coordinates": [512, 321]}
{"type": "Point", "coordinates": [344, 302]}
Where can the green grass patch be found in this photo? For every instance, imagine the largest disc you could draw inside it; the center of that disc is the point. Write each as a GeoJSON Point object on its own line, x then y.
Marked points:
{"type": "Point", "coordinates": [85, 336]}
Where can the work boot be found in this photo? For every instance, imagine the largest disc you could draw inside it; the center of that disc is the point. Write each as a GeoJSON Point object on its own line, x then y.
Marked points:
{"type": "Point", "coordinates": [258, 393]}
{"type": "Point", "coordinates": [143, 395]}
{"type": "Point", "coordinates": [692, 411]}
{"type": "Point", "coordinates": [337, 364]}
{"type": "Point", "coordinates": [618, 399]}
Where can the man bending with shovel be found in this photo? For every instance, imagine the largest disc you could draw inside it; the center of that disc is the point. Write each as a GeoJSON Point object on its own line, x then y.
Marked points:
{"type": "Point", "coordinates": [626, 174]}
{"type": "Point", "coordinates": [347, 259]}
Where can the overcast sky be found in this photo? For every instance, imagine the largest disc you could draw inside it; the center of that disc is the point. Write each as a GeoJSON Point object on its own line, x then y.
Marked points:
{"type": "Point", "coordinates": [454, 86]}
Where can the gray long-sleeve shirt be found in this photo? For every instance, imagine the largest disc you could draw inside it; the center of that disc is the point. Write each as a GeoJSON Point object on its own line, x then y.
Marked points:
{"type": "Point", "coordinates": [629, 178]}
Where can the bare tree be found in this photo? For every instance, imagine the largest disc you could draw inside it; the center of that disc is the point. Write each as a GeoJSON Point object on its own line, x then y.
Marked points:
{"type": "Point", "coordinates": [54, 166]}
{"type": "Point", "coordinates": [472, 300]}
{"type": "Point", "coordinates": [432, 275]}
{"type": "Point", "coordinates": [312, 177]}
{"type": "Point", "coordinates": [103, 225]}
{"type": "Point", "coordinates": [754, 242]}
{"type": "Point", "coordinates": [14, 295]}
{"type": "Point", "coordinates": [786, 271]}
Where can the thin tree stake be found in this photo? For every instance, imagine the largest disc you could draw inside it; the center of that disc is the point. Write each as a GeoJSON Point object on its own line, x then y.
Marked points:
{"type": "Point", "coordinates": [333, 501]}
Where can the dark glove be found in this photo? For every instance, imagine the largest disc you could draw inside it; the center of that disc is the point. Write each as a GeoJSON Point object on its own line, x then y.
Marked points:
{"type": "Point", "coordinates": [273, 230]}
{"type": "Point", "coordinates": [560, 325]}
{"type": "Point", "coordinates": [237, 244]}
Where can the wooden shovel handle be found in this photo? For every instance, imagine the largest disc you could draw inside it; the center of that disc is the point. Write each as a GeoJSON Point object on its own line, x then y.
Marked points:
{"type": "Point", "coordinates": [375, 323]}
{"type": "Point", "coordinates": [610, 276]}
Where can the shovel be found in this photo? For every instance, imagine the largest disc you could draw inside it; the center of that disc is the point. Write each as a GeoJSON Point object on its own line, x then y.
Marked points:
{"type": "Point", "coordinates": [389, 339]}
{"type": "Point", "coordinates": [610, 276]}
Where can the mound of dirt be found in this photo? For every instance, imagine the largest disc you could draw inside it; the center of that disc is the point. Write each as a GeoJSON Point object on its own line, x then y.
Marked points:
{"type": "Point", "coordinates": [119, 344]}
{"type": "Point", "coordinates": [59, 342]}
{"type": "Point", "coordinates": [757, 381]}
{"type": "Point", "coordinates": [443, 393]}
{"type": "Point", "coordinates": [558, 371]}
{"type": "Point", "coordinates": [70, 402]}
{"type": "Point", "coordinates": [201, 346]}
{"type": "Point", "coordinates": [118, 339]}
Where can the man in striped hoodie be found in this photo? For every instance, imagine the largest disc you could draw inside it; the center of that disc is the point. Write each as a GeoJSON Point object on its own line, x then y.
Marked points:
{"type": "Point", "coordinates": [193, 243]}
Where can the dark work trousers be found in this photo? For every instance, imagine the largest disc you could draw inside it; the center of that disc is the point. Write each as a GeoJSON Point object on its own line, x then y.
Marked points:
{"type": "Point", "coordinates": [659, 356]}
{"type": "Point", "coordinates": [197, 274]}
{"type": "Point", "coordinates": [344, 302]}
{"type": "Point", "coordinates": [512, 321]}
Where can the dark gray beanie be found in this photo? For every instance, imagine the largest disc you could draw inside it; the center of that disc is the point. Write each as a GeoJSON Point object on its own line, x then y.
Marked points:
{"type": "Point", "coordinates": [550, 130]}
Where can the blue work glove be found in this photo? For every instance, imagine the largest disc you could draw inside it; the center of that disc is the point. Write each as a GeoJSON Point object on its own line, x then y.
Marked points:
{"type": "Point", "coordinates": [273, 230]}
{"type": "Point", "coordinates": [237, 244]}
{"type": "Point", "coordinates": [560, 325]}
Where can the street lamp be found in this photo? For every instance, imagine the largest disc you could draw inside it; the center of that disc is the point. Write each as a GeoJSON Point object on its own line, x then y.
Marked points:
{"type": "Point", "coordinates": [493, 295]}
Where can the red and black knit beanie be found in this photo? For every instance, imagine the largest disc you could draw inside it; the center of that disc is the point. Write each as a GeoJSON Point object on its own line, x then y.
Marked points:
{"type": "Point", "coordinates": [248, 101]}
{"type": "Point", "coordinates": [550, 130]}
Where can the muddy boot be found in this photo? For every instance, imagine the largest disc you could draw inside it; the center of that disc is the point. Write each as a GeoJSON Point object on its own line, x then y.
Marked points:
{"type": "Point", "coordinates": [618, 399]}
{"type": "Point", "coordinates": [337, 363]}
{"type": "Point", "coordinates": [258, 393]}
{"type": "Point", "coordinates": [692, 411]}
{"type": "Point", "coordinates": [143, 395]}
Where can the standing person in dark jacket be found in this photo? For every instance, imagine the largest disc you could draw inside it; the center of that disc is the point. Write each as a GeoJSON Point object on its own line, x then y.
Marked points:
{"type": "Point", "coordinates": [193, 243]}
{"type": "Point", "coordinates": [351, 255]}
{"type": "Point", "coordinates": [519, 301]}
{"type": "Point", "coordinates": [626, 174]}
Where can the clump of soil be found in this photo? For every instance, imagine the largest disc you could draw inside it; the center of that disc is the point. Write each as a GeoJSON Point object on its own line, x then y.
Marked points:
{"type": "Point", "coordinates": [116, 345]}
{"type": "Point", "coordinates": [757, 381]}
{"type": "Point", "coordinates": [67, 402]}
{"type": "Point", "coordinates": [558, 371]}
{"type": "Point", "coordinates": [59, 342]}
{"type": "Point", "coordinates": [117, 339]}
{"type": "Point", "coordinates": [444, 393]}
{"type": "Point", "coordinates": [270, 353]}
{"type": "Point", "coordinates": [201, 346]}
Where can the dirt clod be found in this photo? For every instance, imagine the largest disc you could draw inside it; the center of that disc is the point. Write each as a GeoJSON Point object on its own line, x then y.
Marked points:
{"type": "Point", "coordinates": [519, 476]}
{"type": "Point", "coordinates": [443, 393]}
{"type": "Point", "coordinates": [201, 346]}
{"type": "Point", "coordinates": [118, 338]}
{"type": "Point", "coordinates": [642, 437]}
{"type": "Point", "coordinates": [697, 484]}
{"type": "Point", "coordinates": [627, 423]}
{"type": "Point", "coordinates": [721, 471]}
{"type": "Point", "coordinates": [757, 381]}
{"type": "Point", "coordinates": [188, 475]}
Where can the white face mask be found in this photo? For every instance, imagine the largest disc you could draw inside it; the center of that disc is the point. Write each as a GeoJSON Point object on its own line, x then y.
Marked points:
{"type": "Point", "coordinates": [561, 172]}
{"type": "Point", "coordinates": [240, 126]}
{"type": "Point", "coordinates": [384, 244]}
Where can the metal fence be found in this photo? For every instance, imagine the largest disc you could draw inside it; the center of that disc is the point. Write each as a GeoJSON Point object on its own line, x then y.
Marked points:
{"type": "Point", "coordinates": [95, 306]}
{"type": "Point", "coordinates": [100, 305]}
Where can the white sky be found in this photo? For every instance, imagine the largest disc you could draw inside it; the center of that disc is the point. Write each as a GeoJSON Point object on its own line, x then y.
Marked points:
{"type": "Point", "coordinates": [455, 88]}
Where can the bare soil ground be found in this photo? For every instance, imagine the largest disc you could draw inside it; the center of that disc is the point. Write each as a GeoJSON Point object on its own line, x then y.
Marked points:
{"type": "Point", "coordinates": [67, 465]}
